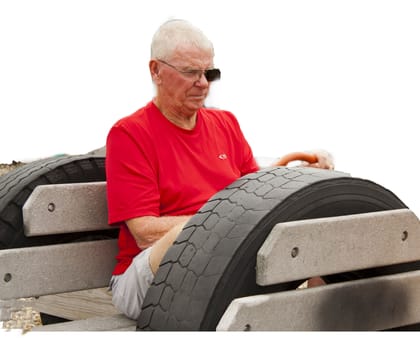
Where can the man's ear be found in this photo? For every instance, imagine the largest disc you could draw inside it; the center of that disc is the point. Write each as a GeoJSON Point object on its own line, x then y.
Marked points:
{"type": "Point", "coordinates": [155, 71]}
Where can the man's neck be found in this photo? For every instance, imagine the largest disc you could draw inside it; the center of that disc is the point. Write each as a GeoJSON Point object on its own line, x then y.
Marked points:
{"type": "Point", "coordinates": [182, 121]}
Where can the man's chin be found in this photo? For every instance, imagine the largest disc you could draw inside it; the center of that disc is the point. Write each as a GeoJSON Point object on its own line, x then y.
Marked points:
{"type": "Point", "coordinates": [196, 103]}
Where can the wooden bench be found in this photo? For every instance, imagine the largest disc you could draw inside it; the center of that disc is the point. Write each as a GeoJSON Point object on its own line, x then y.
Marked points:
{"type": "Point", "coordinates": [293, 251]}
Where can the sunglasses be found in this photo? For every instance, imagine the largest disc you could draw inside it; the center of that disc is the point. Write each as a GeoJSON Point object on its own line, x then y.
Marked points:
{"type": "Point", "coordinates": [195, 74]}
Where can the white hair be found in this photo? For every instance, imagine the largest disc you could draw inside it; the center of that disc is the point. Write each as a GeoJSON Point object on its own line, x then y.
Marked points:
{"type": "Point", "coordinates": [174, 33]}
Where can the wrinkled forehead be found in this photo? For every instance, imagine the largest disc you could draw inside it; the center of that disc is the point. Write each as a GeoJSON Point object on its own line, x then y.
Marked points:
{"type": "Point", "coordinates": [192, 56]}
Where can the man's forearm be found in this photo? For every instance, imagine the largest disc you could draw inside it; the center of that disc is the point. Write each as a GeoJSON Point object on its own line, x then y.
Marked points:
{"type": "Point", "coordinates": [147, 230]}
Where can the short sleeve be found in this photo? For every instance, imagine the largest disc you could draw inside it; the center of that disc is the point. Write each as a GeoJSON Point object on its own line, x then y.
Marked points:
{"type": "Point", "coordinates": [132, 190]}
{"type": "Point", "coordinates": [246, 160]}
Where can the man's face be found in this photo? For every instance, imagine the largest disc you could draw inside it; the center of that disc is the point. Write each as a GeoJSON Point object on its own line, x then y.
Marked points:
{"type": "Point", "coordinates": [182, 87]}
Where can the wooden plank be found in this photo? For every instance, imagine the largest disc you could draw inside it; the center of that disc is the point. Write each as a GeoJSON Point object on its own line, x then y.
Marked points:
{"type": "Point", "coordinates": [302, 249]}
{"type": "Point", "coordinates": [35, 271]}
{"type": "Point", "coordinates": [369, 304]}
{"type": "Point", "coordinates": [63, 208]}
{"type": "Point", "coordinates": [77, 305]}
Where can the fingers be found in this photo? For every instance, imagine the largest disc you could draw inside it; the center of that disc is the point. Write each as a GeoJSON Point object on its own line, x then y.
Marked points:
{"type": "Point", "coordinates": [325, 160]}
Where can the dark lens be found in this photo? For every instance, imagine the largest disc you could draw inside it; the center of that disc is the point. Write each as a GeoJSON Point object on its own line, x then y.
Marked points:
{"type": "Point", "coordinates": [212, 74]}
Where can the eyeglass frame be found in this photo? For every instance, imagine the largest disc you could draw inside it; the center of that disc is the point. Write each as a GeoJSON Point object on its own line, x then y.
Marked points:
{"type": "Point", "coordinates": [211, 74]}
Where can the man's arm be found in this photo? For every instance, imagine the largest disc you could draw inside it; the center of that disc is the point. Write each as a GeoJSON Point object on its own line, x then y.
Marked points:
{"type": "Point", "coordinates": [325, 160]}
{"type": "Point", "coordinates": [315, 159]}
{"type": "Point", "coordinates": [146, 230]}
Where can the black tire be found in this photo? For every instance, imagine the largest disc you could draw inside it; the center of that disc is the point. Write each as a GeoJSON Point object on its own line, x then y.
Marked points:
{"type": "Point", "coordinates": [17, 185]}
{"type": "Point", "coordinates": [213, 260]}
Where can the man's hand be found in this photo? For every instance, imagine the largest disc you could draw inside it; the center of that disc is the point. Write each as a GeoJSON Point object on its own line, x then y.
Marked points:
{"type": "Point", "coordinates": [325, 160]}
{"type": "Point", "coordinates": [315, 159]}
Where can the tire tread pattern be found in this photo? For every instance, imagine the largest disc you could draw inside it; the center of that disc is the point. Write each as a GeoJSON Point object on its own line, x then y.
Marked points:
{"type": "Point", "coordinates": [194, 275]}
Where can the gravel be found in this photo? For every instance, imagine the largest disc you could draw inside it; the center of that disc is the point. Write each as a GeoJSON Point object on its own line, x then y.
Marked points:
{"type": "Point", "coordinates": [5, 168]}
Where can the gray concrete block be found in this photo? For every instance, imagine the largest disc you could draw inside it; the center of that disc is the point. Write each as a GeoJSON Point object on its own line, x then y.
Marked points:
{"type": "Point", "coordinates": [308, 248]}
{"type": "Point", "coordinates": [63, 208]}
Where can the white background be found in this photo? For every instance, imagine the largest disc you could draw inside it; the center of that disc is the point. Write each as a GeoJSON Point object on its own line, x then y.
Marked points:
{"type": "Point", "coordinates": [338, 75]}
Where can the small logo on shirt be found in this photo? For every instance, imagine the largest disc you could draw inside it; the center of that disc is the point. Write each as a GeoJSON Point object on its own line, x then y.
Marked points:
{"type": "Point", "coordinates": [222, 156]}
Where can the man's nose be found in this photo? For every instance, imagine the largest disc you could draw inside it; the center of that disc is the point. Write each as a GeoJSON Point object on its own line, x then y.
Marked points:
{"type": "Point", "coordinates": [202, 80]}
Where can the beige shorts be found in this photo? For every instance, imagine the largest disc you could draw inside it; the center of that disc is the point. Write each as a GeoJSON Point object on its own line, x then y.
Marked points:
{"type": "Point", "coordinates": [129, 289]}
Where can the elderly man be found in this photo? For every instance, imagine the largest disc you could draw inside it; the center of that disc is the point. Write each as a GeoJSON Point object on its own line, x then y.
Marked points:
{"type": "Point", "coordinates": [168, 158]}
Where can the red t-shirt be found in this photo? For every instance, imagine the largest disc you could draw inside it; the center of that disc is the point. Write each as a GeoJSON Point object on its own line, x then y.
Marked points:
{"type": "Point", "coordinates": [155, 168]}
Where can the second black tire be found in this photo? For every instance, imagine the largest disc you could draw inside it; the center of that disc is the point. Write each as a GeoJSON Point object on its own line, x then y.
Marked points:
{"type": "Point", "coordinates": [17, 185]}
{"type": "Point", "coordinates": [213, 260]}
